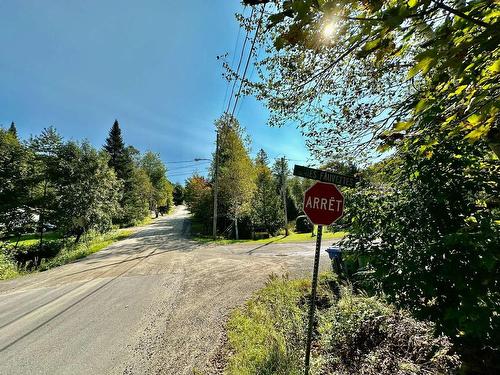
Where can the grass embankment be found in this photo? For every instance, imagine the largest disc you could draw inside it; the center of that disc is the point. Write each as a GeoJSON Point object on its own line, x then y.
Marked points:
{"type": "Point", "coordinates": [68, 251]}
{"type": "Point", "coordinates": [281, 238]}
{"type": "Point", "coordinates": [353, 334]}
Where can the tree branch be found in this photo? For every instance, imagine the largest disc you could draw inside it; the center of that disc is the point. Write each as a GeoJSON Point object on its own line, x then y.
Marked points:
{"type": "Point", "coordinates": [460, 14]}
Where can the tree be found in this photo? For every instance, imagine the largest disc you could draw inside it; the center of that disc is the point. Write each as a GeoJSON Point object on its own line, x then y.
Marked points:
{"type": "Point", "coordinates": [178, 194]}
{"type": "Point", "coordinates": [369, 72]}
{"type": "Point", "coordinates": [162, 188]}
{"type": "Point", "coordinates": [44, 172]}
{"type": "Point", "coordinates": [236, 171]}
{"type": "Point", "coordinates": [15, 213]}
{"type": "Point", "coordinates": [266, 212]}
{"type": "Point", "coordinates": [136, 195]}
{"type": "Point", "coordinates": [119, 158]}
{"type": "Point", "coordinates": [198, 197]}
{"type": "Point", "coordinates": [87, 190]}
{"type": "Point", "coordinates": [430, 234]}
{"type": "Point", "coordinates": [13, 129]}
{"type": "Point", "coordinates": [281, 172]}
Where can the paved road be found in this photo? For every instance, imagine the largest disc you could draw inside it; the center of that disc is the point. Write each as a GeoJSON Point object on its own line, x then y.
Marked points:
{"type": "Point", "coordinates": [154, 303]}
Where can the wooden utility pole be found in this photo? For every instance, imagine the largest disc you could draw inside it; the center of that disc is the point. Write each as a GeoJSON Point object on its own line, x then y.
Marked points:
{"type": "Point", "coordinates": [216, 186]}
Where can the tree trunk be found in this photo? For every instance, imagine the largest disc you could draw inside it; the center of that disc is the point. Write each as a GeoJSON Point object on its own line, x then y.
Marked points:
{"type": "Point", "coordinates": [237, 236]}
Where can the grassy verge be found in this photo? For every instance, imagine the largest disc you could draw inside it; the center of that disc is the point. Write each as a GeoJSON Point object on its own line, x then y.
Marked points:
{"type": "Point", "coordinates": [69, 251]}
{"type": "Point", "coordinates": [292, 237]}
{"type": "Point", "coordinates": [353, 334]}
{"type": "Point", "coordinates": [78, 251]}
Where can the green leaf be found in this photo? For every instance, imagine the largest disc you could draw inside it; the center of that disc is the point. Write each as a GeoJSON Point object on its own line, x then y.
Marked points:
{"type": "Point", "coordinates": [412, 3]}
{"type": "Point", "coordinates": [478, 133]}
{"type": "Point", "coordinates": [474, 119]}
{"type": "Point", "coordinates": [495, 67]}
{"type": "Point", "coordinates": [424, 65]}
{"type": "Point", "coordinates": [402, 125]}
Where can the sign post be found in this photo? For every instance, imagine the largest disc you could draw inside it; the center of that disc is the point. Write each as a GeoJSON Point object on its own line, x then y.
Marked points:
{"type": "Point", "coordinates": [323, 205]}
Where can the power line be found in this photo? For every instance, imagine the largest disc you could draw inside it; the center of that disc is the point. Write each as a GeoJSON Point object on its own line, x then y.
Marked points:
{"type": "Point", "coordinates": [233, 58]}
{"type": "Point", "coordinates": [237, 97]}
{"type": "Point", "coordinates": [239, 65]}
{"type": "Point", "coordinates": [185, 161]}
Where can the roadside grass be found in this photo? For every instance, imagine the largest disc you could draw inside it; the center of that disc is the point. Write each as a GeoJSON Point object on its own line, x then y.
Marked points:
{"type": "Point", "coordinates": [74, 252]}
{"type": "Point", "coordinates": [69, 251]}
{"type": "Point", "coordinates": [34, 238]}
{"type": "Point", "coordinates": [353, 333]}
{"type": "Point", "coordinates": [292, 237]}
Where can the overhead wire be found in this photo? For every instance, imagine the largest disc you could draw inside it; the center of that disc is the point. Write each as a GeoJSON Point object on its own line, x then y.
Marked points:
{"type": "Point", "coordinates": [239, 65]}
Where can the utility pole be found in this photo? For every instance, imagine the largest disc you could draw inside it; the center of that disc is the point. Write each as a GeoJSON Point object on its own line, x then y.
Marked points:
{"type": "Point", "coordinates": [216, 185]}
{"type": "Point", "coordinates": [283, 191]}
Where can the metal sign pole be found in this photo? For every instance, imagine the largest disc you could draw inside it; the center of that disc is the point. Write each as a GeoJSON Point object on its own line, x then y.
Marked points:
{"type": "Point", "coordinates": [312, 304]}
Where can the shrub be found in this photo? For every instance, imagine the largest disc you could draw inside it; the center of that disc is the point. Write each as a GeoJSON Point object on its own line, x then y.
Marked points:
{"type": "Point", "coordinates": [303, 225]}
{"type": "Point", "coordinates": [354, 334]}
{"type": "Point", "coordinates": [362, 335]}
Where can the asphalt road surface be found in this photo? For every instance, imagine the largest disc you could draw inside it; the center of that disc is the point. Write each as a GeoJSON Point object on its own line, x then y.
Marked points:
{"type": "Point", "coordinates": [154, 303]}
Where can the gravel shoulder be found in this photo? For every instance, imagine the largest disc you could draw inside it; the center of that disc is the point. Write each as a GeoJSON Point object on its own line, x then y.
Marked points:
{"type": "Point", "coordinates": [154, 303]}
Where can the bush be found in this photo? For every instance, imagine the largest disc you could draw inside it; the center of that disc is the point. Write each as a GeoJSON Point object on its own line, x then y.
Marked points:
{"type": "Point", "coordinates": [364, 335]}
{"type": "Point", "coordinates": [354, 334]}
{"type": "Point", "coordinates": [303, 225]}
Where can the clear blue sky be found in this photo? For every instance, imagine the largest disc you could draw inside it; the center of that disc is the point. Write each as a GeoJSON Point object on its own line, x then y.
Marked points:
{"type": "Point", "coordinates": [78, 65]}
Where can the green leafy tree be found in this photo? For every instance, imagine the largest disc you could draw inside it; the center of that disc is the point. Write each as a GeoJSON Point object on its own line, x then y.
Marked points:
{"type": "Point", "coordinates": [178, 194]}
{"type": "Point", "coordinates": [87, 190]}
{"type": "Point", "coordinates": [44, 172]}
{"type": "Point", "coordinates": [236, 171]}
{"type": "Point", "coordinates": [161, 194]}
{"type": "Point", "coordinates": [266, 211]}
{"type": "Point", "coordinates": [136, 196]}
{"type": "Point", "coordinates": [430, 234]}
{"type": "Point", "coordinates": [15, 213]}
{"type": "Point", "coordinates": [198, 196]}
{"type": "Point", "coordinates": [370, 72]}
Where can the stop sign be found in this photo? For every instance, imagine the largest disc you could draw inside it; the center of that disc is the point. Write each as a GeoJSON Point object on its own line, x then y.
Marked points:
{"type": "Point", "coordinates": [323, 203]}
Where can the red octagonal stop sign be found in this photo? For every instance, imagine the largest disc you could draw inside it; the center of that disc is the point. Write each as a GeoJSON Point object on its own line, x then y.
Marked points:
{"type": "Point", "coordinates": [323, 203]}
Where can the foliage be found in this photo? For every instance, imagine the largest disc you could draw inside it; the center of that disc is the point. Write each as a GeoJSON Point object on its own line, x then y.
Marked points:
{"type": "Point", "coordinates": [87, 189]}
{"type": "Point", "coordinates": [15, 215]}
{"type": "Point", "coordinates": [266, 333]}
{"type": "Point", "coordinates": [433, 240]}
{"type": "Point", "coordinates": [236, 172]}
{"type": "Point", "coordinates": [267, 206]}
{"type": "Point", "coordinates": [364, 335]}
{"type": "Point", "coordinates": [178, 194]}
{"type": "Point", "coordinates": [198, 197]}
{"type": "Point", "coordinates": [161, 195]}
{"type": "Point", "coordinates": [354, 334]}
{"type": "Point", "coordinates": [119, 158]}
{"type": "Point", "coordinates": [303, 224]}
{"type": "Point", "coordinates": [370, 71]}
{"type": "Point", "coordinates": [136, 194]}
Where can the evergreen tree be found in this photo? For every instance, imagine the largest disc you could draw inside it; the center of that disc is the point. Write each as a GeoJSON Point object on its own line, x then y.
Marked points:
{"type": "Point", "coordinates": [119, 158]}
{"type": "Point", "coordinates": [266, 204]}
{"type": "Point", "coordinates": [13, 129]}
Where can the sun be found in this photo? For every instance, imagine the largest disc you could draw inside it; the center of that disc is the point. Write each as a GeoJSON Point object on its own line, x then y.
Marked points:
{"type": "Point", "coordinates": [329, 29]}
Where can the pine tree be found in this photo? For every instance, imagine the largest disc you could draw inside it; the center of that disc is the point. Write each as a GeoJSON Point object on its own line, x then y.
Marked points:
{"type": "Point", "coordinates": [12, 129]}
{"type": "Point", "coordinates": [119, 160]}
{"type": "Point", "coordinates": [267, 207]}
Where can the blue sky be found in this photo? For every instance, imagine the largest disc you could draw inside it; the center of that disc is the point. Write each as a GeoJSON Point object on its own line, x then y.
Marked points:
{"type": "Point", "coordinates": [78, 65]}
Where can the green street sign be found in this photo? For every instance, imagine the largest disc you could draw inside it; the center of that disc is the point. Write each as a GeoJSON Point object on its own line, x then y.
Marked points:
{"type": "Point", "coordinates": [324, 176]}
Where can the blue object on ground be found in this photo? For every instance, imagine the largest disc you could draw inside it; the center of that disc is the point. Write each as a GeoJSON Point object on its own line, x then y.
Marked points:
{"type": "Point", "coordinates": [334, 252]}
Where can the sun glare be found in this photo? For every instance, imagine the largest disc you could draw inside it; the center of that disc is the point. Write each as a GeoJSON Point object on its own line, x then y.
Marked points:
{"type": "Point", "coordinates": [329, 29]}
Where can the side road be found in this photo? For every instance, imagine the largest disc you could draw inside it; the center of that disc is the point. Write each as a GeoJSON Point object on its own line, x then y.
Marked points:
{"type": "Point", "coordinates": [154, 303]}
